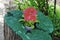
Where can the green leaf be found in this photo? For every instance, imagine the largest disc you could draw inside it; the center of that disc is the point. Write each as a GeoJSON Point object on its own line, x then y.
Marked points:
{"type": "Point", "coordinates": [57, 11]}
{"type": "Point", "coordinates": [21, 20]}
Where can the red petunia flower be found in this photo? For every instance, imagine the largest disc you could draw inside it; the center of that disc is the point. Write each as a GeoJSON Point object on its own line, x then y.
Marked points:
{"type": "Point", "coordinates": [30, 14]}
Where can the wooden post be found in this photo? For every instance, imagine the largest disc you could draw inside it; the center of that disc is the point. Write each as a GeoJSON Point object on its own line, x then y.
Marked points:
{"type": "Point", "coordinates": [9, 34]}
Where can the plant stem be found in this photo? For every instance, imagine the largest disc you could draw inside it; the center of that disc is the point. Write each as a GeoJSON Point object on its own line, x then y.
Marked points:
{"type": "Point", "coordinates": [55, 7]}
{"type": "Point", "coordinates": [38, 4]}
{"type": "Point", "coordinates": [46, 13]}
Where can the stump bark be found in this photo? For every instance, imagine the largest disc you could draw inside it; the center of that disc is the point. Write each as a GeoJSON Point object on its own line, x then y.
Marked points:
{"type": "Point", "coordinates": [9, 34]}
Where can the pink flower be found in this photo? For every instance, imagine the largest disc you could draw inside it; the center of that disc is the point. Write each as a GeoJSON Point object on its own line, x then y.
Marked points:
{"type": "Point", "coordinates": [30, 14]}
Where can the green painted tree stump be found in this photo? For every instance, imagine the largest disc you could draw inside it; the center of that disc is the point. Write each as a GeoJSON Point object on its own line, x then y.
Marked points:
{"type": "Point", "coordinates": [14, 30]}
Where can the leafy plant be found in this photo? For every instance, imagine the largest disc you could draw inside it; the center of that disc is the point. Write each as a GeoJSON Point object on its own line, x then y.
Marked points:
{"type": "Point", "coordinates": [38, 4]}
